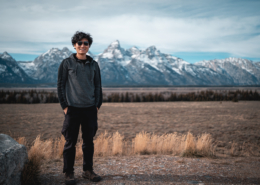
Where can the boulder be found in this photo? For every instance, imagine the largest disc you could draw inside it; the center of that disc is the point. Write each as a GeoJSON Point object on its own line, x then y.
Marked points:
{"type": "Point", "coordinates": [13, 157]}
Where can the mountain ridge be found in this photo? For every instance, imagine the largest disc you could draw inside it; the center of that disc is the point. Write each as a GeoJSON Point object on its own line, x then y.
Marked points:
{"type": "Point", "coordinates": [133, 66]}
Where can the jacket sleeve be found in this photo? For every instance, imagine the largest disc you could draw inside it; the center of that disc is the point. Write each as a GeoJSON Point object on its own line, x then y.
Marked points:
{"type": "Point", "coordinates": [98, 87]}
{"type": "Point", "coordinates": [61, 84]}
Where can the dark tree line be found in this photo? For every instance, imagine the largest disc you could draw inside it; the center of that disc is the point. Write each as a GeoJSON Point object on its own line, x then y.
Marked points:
{"type": "Point", "coordinates": [192, 96]}
{"type": "Point", "coordinates": [33, 96]}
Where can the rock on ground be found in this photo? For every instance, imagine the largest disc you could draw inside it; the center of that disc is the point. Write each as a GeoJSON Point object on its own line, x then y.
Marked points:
{"type": "Point", "coordinates": [13, 156]}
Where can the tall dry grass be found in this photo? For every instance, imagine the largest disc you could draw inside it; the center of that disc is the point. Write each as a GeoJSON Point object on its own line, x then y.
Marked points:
{"type": "Point", "coordinates": [58, 145]}
{"type": "Point", "coordinates": [106, 145]}
{"type": "Point", "coordinates": [117, 146]}
{"type": "Point", "coordinates": [201, 146]}
{"type": "Point", "coordinates": [113, 144]}
{"type": "Point", "coordinates": [102, 144]}
{"type": "Point", "coordinates": [39, 152]}
{"type": "Point", "coordinates": [174, 144]}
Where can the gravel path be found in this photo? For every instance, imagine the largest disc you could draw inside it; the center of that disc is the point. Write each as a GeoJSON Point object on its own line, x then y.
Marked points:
{"type": "Point", "coordinates": [161, 169]}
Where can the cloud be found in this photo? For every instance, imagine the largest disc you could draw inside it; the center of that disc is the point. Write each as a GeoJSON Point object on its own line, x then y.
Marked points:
{"type": "Point", "coordinates": [172, 26]}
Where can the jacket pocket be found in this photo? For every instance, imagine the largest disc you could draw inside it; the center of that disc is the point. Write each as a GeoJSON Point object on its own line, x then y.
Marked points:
{"type": "Point", "coordinates": [65, 127]}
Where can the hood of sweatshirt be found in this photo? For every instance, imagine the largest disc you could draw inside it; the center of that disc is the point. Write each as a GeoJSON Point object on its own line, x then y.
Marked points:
{"type": "Point", "coordinates": [89, 59]}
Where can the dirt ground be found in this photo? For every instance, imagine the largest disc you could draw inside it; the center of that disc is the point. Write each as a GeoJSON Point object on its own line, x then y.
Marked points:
{"type": "Point", "coordinates": [228, 122]}
{"type": "Point", "coordinates": [161, 169]}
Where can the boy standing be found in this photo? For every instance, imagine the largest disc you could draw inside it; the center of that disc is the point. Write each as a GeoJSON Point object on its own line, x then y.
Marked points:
{"type": "Point", "coordinates": [80, 95]}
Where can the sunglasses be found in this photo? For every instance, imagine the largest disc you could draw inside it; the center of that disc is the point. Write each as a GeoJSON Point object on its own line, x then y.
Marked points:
{"type": "Point", "coordinates": [80, 43]}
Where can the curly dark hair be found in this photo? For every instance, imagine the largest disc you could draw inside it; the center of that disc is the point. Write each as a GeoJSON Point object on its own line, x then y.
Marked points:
{"type": "Point", "coordinates": [80, 35]}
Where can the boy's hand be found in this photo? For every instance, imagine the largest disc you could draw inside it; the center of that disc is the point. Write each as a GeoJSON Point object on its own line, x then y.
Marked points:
{"type": "Point", "coordinates": [65, 110]}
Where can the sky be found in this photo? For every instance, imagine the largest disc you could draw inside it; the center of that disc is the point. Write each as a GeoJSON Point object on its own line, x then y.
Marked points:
{"type": "Point", "coordinates": [193, 30]}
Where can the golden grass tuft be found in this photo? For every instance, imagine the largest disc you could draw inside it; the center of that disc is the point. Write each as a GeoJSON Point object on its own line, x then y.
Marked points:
{"type": "Point", "coordinates": [58, 146]}
{"type": "Point", "coordinates": [205, 146]}
{"type": "Point", "coordinates": [101, 144]}
{"type": "Point", "coordinates": [140, 143]}
{"type": "Point", "coordinates": [198, 147]}
{"type": "Point", "coordinates": [39, 151]}
{"type": "Point", "coordinates": [174, 144]}
{"type": "Point", "coordinates": [117, 147]}
{"type": "Point", "coordinates": [190, 146]}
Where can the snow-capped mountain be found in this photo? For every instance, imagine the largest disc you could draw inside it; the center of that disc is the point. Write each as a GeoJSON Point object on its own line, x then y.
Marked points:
{"type": "Point", "coordinates": [45, 67]}
{"type": "Point", "coordinates": [6, 56]}
{"type": "Point", "coordinates": [11, 72]}
{"type": "Point", "coordinates": [242, 71]}
{"type": "Point", "coordinates": [151, 67]}
{"type": "Point", "coordinates": [133, 66]}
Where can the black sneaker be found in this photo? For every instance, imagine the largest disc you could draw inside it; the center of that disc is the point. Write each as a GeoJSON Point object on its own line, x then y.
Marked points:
{"type": "Point", "coordinates": [91, 175]}
{"type": "Point", "coordinates": [69, 178]}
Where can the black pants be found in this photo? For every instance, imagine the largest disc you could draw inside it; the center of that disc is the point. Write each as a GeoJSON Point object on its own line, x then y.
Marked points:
{"type": "Point", "coordinates": [87, 118]}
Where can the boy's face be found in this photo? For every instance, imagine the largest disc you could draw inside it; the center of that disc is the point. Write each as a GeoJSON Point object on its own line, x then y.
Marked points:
{"type": "Point", "coordinates": [82, 49]}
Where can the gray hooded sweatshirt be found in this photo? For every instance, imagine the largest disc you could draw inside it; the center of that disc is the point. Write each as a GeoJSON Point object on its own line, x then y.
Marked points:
{"type": "Point", "coordinates": [79, 83]}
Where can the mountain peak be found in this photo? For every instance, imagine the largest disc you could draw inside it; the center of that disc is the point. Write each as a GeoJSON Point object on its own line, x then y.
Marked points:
{"type": "Point", "coordinates": [133, 51]}
{"type": "Point", "coordinates": [57, 51]}
{"type": "Point", "coordinates": [115, 45]}
{"type": "Point", "coordinates": [114, 51]}
{"type": "Point", "coordinates": [54, 49]}
{"type": "Point", "coordinates": [152, 51]}
{"type": "Point", "coordinates": [6, 56]}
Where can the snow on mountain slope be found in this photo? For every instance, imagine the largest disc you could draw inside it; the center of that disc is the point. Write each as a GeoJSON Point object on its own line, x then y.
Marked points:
{"type": "Point", "coordinates": [46, 65]}
{"type": "Point", "coordinates": [11, 72]}
{"type": "Point", "coordinates": [242, 71]}
{"type": "Point", "coordinates": [257, 64]}
{"type": "Point", "coordinates": [6, 56]}
{"type": "Point", "coordinates": [146, 67]}
{"type": "Point", "coordinates": [151, 67]}
{"type": "Point", "coordinates": [114, 53]}
{"type": "Point", "coordinates": [28, 66]}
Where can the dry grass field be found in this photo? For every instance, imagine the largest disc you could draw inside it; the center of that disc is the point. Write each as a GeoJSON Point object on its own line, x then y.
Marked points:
{"type": "Point", "coordinates": [234, 127]}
